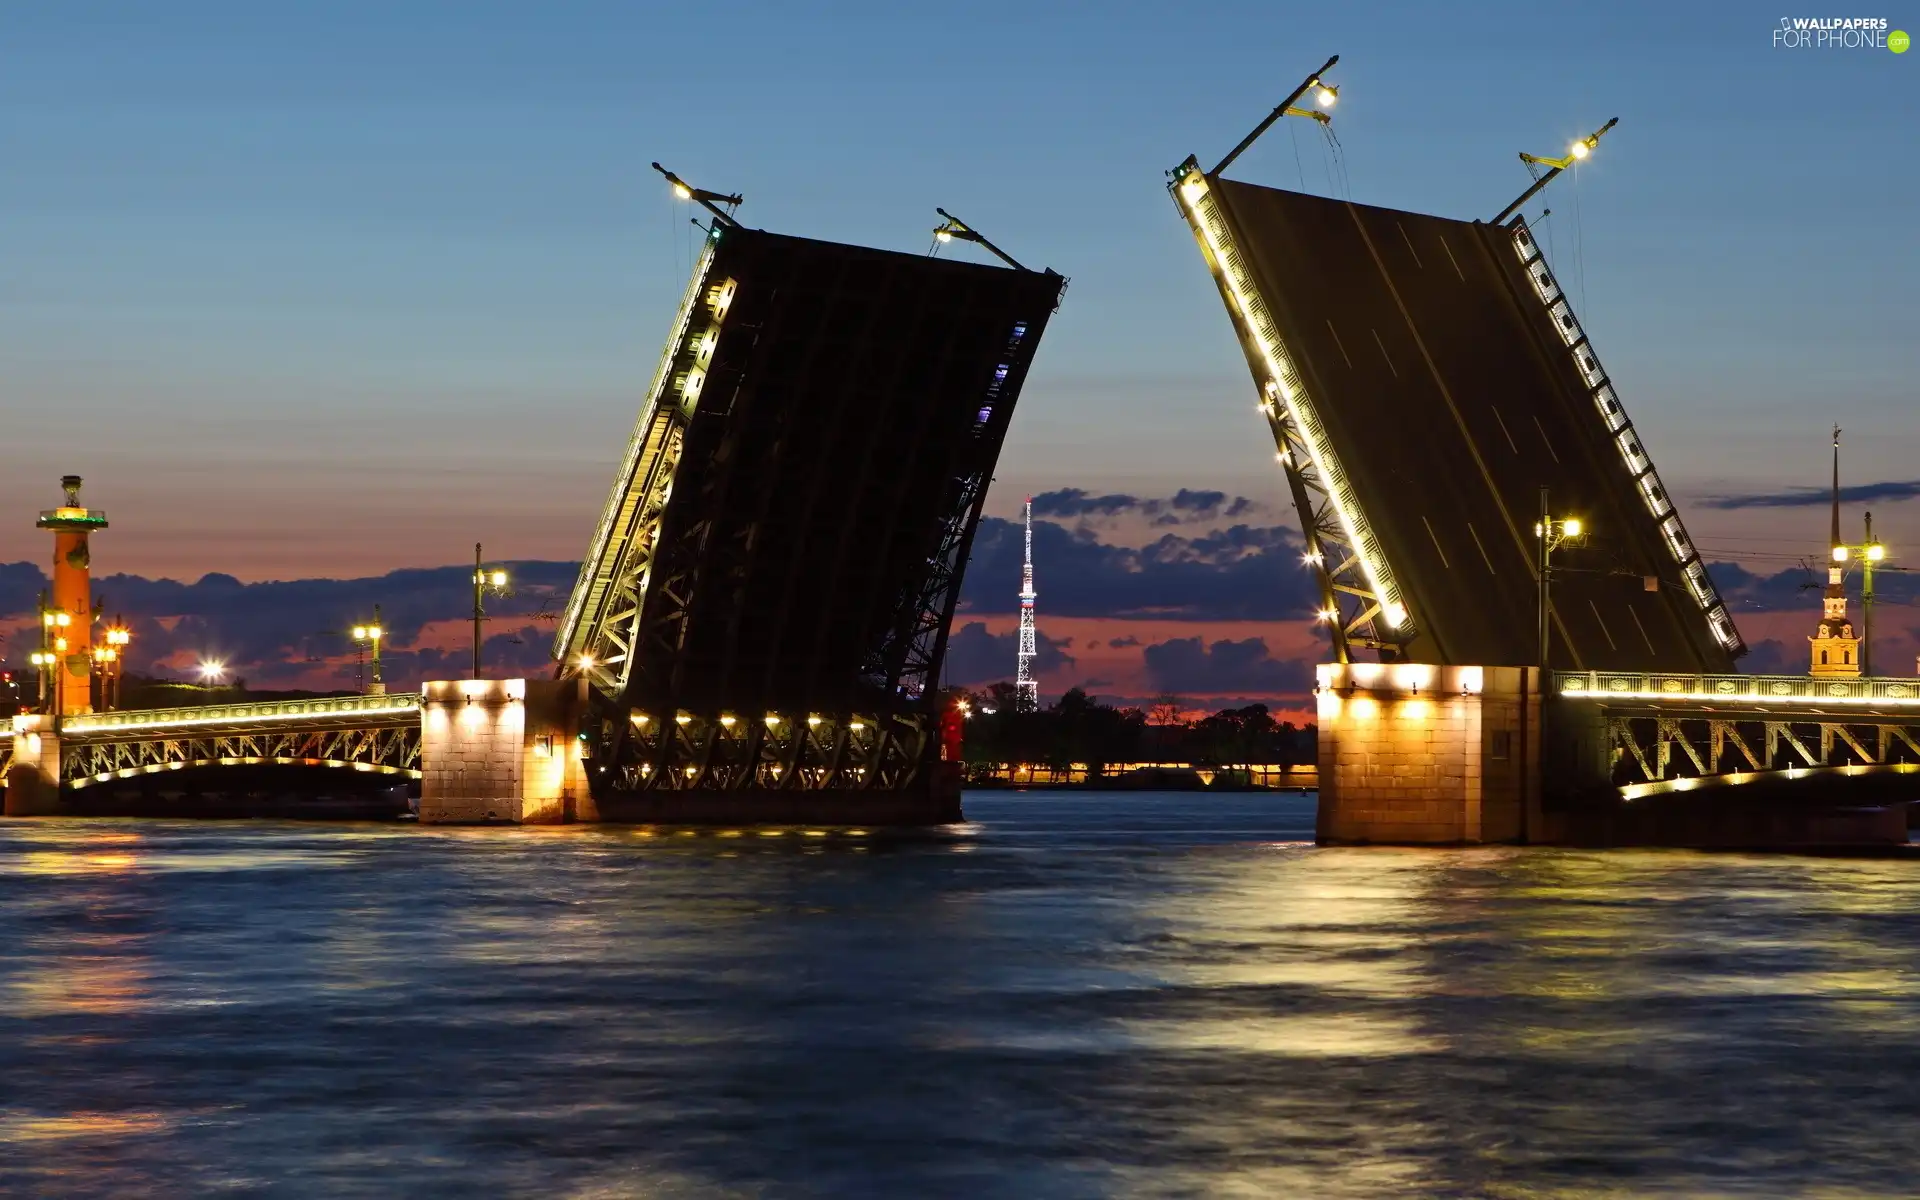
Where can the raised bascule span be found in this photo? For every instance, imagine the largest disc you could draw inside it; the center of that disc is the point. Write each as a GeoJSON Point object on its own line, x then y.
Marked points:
{"type": "Point", "coordinates": [762, 612]}
{"type": "Point", "coordinates": [1424, 378]}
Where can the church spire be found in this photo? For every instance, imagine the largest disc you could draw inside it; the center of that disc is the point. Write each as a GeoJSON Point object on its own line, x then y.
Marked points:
{"type": "Point", "coordinates": [1836, 543]}
{"type": "Point", "coordinates": [1834, 650]}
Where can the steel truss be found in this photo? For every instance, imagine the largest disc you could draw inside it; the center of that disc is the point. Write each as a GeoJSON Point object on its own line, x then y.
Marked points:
{"type": "Point", "coordinates": [1652, 749]}
{"type": "Point", "coordinates": [392, 749]}
{"type": "Point", "coordinates": [1340, 546]}
{"type": "Point", "coordinates": [619, 578]}
{"type": "Point", "coordinates": [782, 752]}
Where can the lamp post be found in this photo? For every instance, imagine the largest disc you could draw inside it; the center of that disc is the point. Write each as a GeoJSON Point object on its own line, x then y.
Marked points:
{"type": "Point", "coordinates": [1868, 552]}
{"type": "Point", "coordinates": [117, 639]}
{"type": "Point", "coordinates": [1552, 532]}
{"type": "Point", "coordinates": [485, 579]}
{"type": "Point", "coordinates": [370, 635]}
{"type": "Point", "coordinates": [53, 656]}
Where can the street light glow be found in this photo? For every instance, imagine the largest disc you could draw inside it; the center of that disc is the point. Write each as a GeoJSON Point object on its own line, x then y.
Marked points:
{"type": "Point", "coordinates": [683, 191]}
{"type": "Point", "coordinates": [1572, 526]}
{"type": "Point", "coordinates": [1839, 554]}
{"type": "Point", "coordinates": [210, 671]}
{"type": "Point", "coordinates": [498, 579]}
{"type": "Point", "coordinates": [1876, 552]}
{"type": "Point", "coordinates": [1327, 96]}
{"type": "Point", "coordinates": [1580, 149]}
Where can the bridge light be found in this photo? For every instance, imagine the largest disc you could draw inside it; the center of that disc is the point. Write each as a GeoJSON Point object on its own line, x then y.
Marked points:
{"type": "Point", "coordinates": [856, 724]}
{"type": "Point", "coordinates": [772, 720]}
{"type": "Point", "coordinates": [813, 720]}
{"type": "Point", "coordinates": [1840, 554]}
{"type": "Point", "coordinates": [586, 662]}
{"type": "Point", "coordinates": [682, 719]}
{"type": "Point", "coordinates": [727, 722]}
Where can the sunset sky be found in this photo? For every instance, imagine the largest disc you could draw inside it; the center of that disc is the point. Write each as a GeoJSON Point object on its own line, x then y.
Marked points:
{"type": "Point", "coordinates": [331, 291]}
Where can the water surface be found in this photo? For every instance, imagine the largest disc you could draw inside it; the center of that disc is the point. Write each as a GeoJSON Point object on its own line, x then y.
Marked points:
{"type": "Point", "coordinates": [1078, 995]}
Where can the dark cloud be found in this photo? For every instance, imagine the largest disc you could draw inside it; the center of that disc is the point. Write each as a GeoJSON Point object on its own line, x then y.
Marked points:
{"type": "Point", "coordinates": [1242, 572]}
{"type": "Point", "coordinates": [1188, 666]}
{"type": "Point", "coordinates": [274, 631]}
{"type": "Point", "coordinates": [1770, 657]}
{"type": "Point", "coordinates": [1078, 502]}
{"type": "Point", "coordinates": [1798, 588]}
{"type": "Point", "coordinates": [1185, 505]}
{"type": "Point", "coordinates": [1892, 489]}
{"type": "Point", "coordinates": [975, 656]}
{"type": "Point", "coordinates": [1121, 643]}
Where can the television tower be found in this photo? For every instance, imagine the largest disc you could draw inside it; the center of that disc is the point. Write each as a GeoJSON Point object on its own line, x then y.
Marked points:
{"type": "Point", "coordinates": [1026, 687]}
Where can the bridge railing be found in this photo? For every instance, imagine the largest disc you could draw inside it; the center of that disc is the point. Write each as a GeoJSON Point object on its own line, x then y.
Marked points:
{"type": "Point", "coordinates": [148, 721]}
{"type": "Point", "coordinates": [1767, 690]}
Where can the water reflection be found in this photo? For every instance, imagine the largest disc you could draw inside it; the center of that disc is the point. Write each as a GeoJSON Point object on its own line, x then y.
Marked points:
{"type": "Point", "coordinates": [1078, 995]}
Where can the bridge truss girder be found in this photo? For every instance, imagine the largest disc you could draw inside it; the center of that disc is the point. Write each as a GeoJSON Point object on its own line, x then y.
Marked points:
{"type": "Point", "coordinates": [392, 749]}
{"type": "Point", "coordinates": [1656, 749]}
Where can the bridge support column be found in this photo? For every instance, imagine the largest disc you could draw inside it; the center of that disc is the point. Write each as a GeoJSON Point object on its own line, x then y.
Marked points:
{"type": "Point", "coordinates": [501, 751]}
{"type": "Point", "coordinates": [1412, 754]}
{"type": "Point", "coordinates": [33, 778]}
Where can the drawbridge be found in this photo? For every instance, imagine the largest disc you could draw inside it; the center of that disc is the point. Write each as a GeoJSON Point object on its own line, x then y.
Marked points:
{"type": "Point", "coordinates": [762, 612]}
{"type": "Point", "coordinates": [1424, 378]}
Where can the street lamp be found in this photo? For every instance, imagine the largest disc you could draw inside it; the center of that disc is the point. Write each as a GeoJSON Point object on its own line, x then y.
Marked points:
{"type": "Point", "coordinates": [1868, 552]}
{"type": "Point", "coordinates": [485, 579]}
{"type": "Point", "coordinates": [112, 659]}
{"type": "Point", "coordinates": [211, 672]}
{"type": "Point", "coordinates": [370, 635]}
{"type": "Point", "coordinates": [53, 646]}
{"type": "Point", "coordinates": [42, 663]}
{"type": "Point", "coordinates": [1551, 532]}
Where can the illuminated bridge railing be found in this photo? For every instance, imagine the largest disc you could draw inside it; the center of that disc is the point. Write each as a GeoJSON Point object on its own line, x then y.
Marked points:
{"type": "Point", "coordinates": [143, 722]}
{"type": "Point", "coordinates": [1783, 691]}
{"type": "Point", "coordinates": [360, 733]}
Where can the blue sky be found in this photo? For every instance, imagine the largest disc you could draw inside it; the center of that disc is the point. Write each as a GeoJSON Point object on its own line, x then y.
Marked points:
{"type": "Point", "coordinates": [333, 289]}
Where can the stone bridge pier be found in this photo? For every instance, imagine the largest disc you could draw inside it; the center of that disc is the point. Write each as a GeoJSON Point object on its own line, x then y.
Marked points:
{"type": "Point", "coordinates": [502, 751]}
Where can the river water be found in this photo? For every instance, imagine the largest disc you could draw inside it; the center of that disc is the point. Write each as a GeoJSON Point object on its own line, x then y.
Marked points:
{"type": "Point", "coordinates": [1078, 995]}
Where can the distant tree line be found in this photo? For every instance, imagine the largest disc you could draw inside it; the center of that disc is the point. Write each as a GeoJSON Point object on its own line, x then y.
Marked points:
{"type": "Point", "coordinates": [1079, 729]}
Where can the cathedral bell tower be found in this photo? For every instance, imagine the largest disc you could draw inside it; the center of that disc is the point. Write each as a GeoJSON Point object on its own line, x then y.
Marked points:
{"type": "Point", "coordinates": [1835, 648]}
